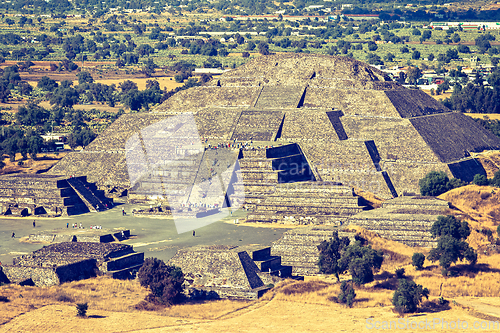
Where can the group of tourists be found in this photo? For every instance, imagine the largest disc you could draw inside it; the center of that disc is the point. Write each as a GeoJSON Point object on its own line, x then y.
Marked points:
{"type": "Point", "coordinates": [199, 205]}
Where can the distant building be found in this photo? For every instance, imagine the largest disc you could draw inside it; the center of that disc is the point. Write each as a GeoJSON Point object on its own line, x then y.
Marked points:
{"type": "Point", "coordinates": [466, 25]}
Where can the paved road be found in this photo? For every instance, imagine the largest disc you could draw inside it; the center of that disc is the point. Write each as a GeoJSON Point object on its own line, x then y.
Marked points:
{"type": "Point", "coordinates": [154, 236]}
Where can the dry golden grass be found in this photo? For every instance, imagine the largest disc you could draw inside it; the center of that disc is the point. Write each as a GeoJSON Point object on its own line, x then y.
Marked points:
{"type": "Point", "coordinates": [371, 199]}
{"type": "Point", "coordinates": [490, 161]}
{"type": "Point", "coordinates": [101, 293]}
{"type": "Point", "coordinates": [480, 204]}
{"type": "Point", "coordinates": [292, 306]}
{"type": "Point", "coordinates": [484, 115]}
{"type": "Point", "coordinates": [45, 161]}
{"type": "Point", "coordinates": [165, 82]}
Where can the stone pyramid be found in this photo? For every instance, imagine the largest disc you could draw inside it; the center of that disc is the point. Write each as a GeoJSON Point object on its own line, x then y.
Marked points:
{"type": "Point", "coordinates": [353, 124]}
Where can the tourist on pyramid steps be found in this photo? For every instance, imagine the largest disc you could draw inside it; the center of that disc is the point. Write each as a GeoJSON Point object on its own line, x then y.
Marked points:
{"type": "Point", "coordinates": [194, 233]}
{"type": "Point", "coordinates": [13, 235]}
{"type": "Point", "coordinates": [67, 225]}
{"type": "Point", "coordinates": [33, 223]}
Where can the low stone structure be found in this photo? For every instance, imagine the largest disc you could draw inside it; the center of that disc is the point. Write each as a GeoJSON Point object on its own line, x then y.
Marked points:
{"type": "Point", "coordinates": [80, 235]}
{"type": "Point", "coordinates": [230, 271]}
{"type": "Point", "coordinates": [49, 195]}
{"type": "Point", "coordinates": [69, 261]}
{"type": "Point", "coordinates": [406, 219]}
{"type": "Point", "coordinates": [299, 247]}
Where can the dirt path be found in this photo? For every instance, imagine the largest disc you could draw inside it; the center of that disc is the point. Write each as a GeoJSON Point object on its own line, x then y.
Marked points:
{"type": "Point", "coordinates": [480, 306]}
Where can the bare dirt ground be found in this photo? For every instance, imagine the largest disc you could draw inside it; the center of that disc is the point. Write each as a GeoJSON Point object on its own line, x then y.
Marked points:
{"type": "Point", "coordinates": [290, 307]}
{"type": "Point", "coordinates": [44, 162]}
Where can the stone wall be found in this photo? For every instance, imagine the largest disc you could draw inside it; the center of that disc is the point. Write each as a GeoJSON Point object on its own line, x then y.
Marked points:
{"type": "Point", "coordinates": [299, 247]}
{"type": "Point", "coordinates": [63, 262]}
{"type": "Point", "coordinates": [39, 276]}
{"type": "Point", "coordinates": [192, 99]}
{"type": "Point", "coordinates": [452, 135]}
{"type": "Point", "coordinates": [404, 219]}
{"type": "Point", "coordinates": [217, 123]}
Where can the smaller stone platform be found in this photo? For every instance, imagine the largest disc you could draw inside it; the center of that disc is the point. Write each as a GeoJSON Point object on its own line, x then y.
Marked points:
{"type": "Point", "coordinates": [49, 195]}
{"type": "Point", "coordinates": [230, 271]}
{"type": "Point", "coordinates": [80, 235]}
{"type": "Point", "coordinates": [70, 261]}
{"type": "Point", "coordinates": [406, 219]}
{"type": "Point", "coordinates": [299, 247]}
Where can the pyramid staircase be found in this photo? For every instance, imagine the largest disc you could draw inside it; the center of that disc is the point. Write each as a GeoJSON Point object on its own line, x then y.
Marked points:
{"type": "Point", "coordinates": [280, 187]}
{"type": "Point", "coordinates": [94, 199]}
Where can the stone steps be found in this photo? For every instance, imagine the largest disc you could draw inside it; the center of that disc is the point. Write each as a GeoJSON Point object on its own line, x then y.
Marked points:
{"type": "Point", "coordinates": [125, 273]}
{"type": "Point", "coordinates": [123, 262]}
{"type": "Point", "coordinates": [302, 220]}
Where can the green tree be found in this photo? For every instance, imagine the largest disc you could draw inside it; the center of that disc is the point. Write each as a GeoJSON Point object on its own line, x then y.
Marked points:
{"type": "Point", "coordinates": [450, 226]}
{"type": "Point", "coordinates": [330, 253]}
{"type": "Point", "coordinates": [164, 282]}
{"type": "Point", "coordinates": [360, 261]}
{"type": "Point", "coordinates": [413, 74]}
{"type": "Point", "coordinates": [347, 293]}
{"type": "Point", "coordinates": [480, 180]}
{"type": "Point", "coordinates": [251, 46]}
{"type": "Point", "coordinates": [408, 296]}
{"type": "Point", "coordinates": [496, 179]}
{"type": "Point", "coordinates": [65, 95]}
{"type": "Point", "coordinates": [451, 245]}
{"type": "Point", "coordinates": [32, 114]}
{"type": "Point", "coordinates": [84, 77]}
{"type": "Point", "coordinates": [437, 182]}
{"type": "Point", "coordinates": [418, 260]}
{"type": "Point", "coordinates": [35, 144]}
{"type": "Point", "coordinates": [47, 84]}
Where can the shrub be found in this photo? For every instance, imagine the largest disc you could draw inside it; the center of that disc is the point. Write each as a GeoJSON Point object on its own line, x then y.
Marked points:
{"type": "Point", "coordinates": [347, 294]}
{"type": "Point", "coordinates": [64, 298]}
{"type": "Point", "coordinates": [82, 309]}
{"type": "Point", "coordinates": [480, 180]}
{"type": "Point", "coordinates": [437, 182]}
{"type": "Point", "coordinates": [498, 230]}
{"type": "Point", "coordinates": [165, 282]}
{"type": "Point", "coordinates": [418, 260]}
{"type": "Point", "coordinates": [496, 179]}
{"type": "Point", "coordinates": [400, 273]}
{"type": "Point", "coordinates": [408, 296]}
